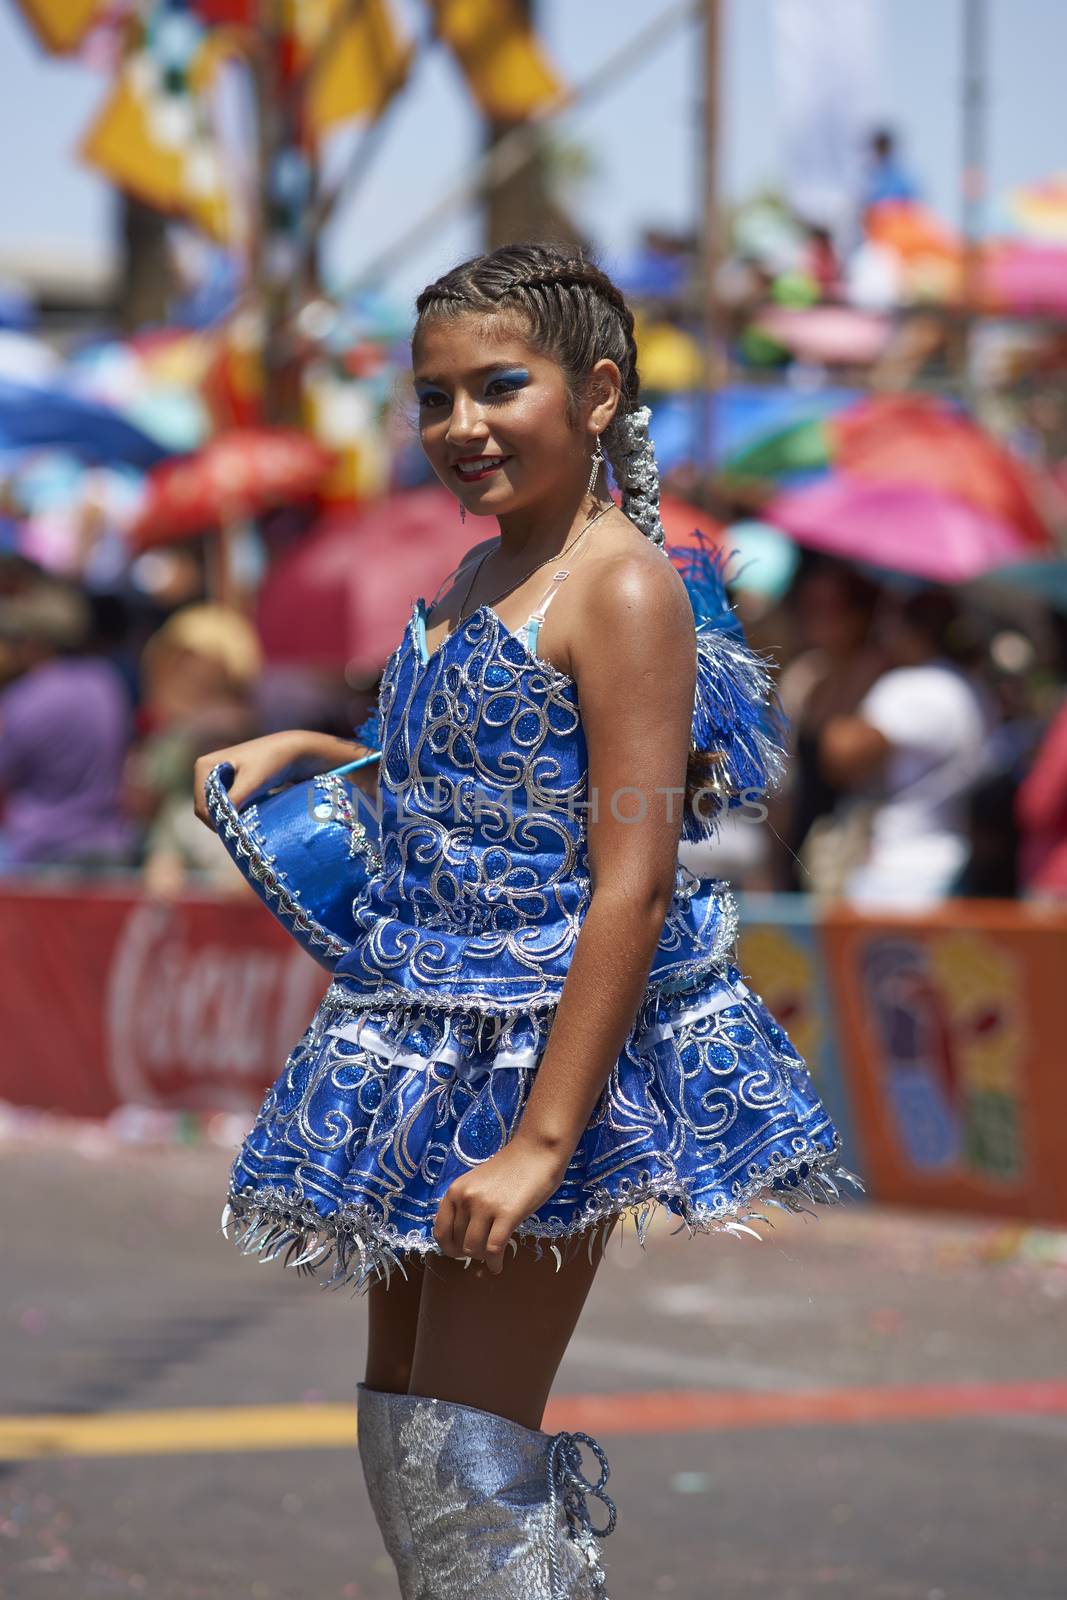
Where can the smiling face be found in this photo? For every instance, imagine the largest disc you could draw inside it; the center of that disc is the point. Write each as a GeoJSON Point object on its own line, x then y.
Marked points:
{"type": "Point", "coordinates": [495, 416]}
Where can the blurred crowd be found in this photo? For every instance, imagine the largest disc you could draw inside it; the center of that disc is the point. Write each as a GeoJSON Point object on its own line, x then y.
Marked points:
{"type": "Point", "coordinates": [929, 753]}
{"type": "Point", "coordinates": [929, 736]}
{"type": "Point", "coordinates": [104, 711]}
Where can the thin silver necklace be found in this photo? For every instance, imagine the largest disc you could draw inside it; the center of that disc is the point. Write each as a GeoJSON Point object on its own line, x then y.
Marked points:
{"type": "Point", "coordinates": [547, 561]}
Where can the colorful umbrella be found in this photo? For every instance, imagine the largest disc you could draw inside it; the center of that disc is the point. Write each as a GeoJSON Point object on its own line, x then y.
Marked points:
{"type": "Point", "coordinates": [902, 527]}
{"type": "Point", "coordinates": [237, 475]}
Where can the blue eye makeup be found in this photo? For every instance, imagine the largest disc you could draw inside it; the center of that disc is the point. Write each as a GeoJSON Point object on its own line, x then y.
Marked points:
{"type": "Point", "coordinates": [500, 386]}
{"type": "Point", "coordinates": [513, 378]}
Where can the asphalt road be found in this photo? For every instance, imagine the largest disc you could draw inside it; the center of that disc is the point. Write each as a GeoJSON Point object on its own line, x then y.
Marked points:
{"type": "Point", "coordinates": [871, 1405]}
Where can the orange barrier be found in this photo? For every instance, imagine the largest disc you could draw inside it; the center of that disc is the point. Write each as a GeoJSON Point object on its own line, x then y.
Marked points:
{"type": "Point", "coordinates": [954, 1029]}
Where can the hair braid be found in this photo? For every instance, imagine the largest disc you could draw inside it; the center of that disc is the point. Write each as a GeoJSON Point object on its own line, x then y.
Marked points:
{"type": "Point", "coordinates": [576, 314]}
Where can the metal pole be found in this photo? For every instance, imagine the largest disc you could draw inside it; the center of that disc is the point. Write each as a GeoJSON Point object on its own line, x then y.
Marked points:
{"type": "Point", "coordinates": [710, 251]}
{"type": "Point", "coordinates": [973, 172]}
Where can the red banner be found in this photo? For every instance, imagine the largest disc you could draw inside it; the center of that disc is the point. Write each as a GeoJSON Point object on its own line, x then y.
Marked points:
{"type": "Point", "coordinates": [109, 998]}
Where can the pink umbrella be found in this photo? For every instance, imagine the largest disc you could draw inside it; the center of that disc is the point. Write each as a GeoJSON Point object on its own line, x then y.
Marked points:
{"type": "Point", "coordinates": [830, 334]}
{"type": "Point", "coordinates": [343, 594]}
{"type": "Point", "coordinates": [904, 527]}
{"type": "Point", "coordinates": [1026, 278]}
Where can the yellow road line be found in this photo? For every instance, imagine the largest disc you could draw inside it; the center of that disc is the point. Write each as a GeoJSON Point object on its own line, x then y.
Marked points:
{"type": "Point", "coordinates": [212, 1429]}
{"type": "Point", "coordinates": [129, 1433]}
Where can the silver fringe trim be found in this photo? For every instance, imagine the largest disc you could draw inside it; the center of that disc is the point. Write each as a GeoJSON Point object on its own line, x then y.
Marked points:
{"type": "Point", "coordinates": [680, 976]}
{"type": "Point", "coordinates": [363, 1249]}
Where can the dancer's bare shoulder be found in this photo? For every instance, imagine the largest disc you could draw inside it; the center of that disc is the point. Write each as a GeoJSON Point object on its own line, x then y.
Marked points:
{"type": "Point", "coordinates": [629, 610]}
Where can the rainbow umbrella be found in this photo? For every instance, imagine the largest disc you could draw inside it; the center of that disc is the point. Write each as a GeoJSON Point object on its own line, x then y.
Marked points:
{"type": "Point", "coordinates": [906, 439]}
{"type": "Point", "coordinates": [1040, 209]}
{"type": "Point", "coordinates": [802, 447]}
{"type": "Point", "coordinates": [916, 439]}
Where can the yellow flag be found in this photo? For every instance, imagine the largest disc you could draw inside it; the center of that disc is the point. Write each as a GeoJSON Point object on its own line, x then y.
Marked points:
{"type": "Point", "coordinates": [146, 142]}
{"type": "Point", "coordinates": [60, 25]}
{"type": "Point", "coordinates": [361, 69]}
{"type": "Point", "coordinates": [500, 56]}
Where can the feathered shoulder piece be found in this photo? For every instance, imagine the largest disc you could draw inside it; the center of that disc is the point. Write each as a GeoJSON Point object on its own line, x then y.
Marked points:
{"type": "Point", "coordinates": [368, 731]}
{"type": "Point", "coordinates": [739, 727]}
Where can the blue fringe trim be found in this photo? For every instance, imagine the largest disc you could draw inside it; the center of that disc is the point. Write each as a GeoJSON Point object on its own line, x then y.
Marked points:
{"type": "Point", "coordinates": [367, 733]}
{"type": "Point", "coordinates": [737, 713]}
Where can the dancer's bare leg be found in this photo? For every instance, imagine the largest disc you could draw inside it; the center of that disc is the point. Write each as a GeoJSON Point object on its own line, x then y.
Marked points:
{"type": "Point", "coordinates": [495, 1341]}
{"type": "Point", "coordinates": [392, 1324]}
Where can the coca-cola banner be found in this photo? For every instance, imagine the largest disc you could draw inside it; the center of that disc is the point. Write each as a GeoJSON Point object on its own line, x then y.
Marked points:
{"type": "Point", "coordinates": [936, 1041]}
{"type": "Point", "coordinates": [109, 998]}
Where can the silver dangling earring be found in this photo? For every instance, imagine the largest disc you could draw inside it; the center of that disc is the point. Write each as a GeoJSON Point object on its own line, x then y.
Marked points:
{"type": "Point", "coordinates": [462, 512]}
{"type": "Point", "coordinates": [598, 462]}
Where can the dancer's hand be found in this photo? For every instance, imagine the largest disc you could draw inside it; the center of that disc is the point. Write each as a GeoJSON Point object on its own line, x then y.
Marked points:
{"type": "Point", "coordinates": [479, 1210]}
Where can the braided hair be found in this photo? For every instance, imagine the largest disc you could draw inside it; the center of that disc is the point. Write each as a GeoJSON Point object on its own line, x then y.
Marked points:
{"type": "Point", "coordinates": [572, 312]}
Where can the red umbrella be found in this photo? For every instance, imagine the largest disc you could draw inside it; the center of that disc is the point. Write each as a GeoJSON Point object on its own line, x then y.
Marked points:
{"type": "Point", "coordinates": [343, 594]}
{"type": "Point", "coordinates": [237, 475]}
{"type": "Point", "coordinates": [903, 527]}
{"type": "Point", "coordinates": [913, 439]}
{"type": "Point", "coordinates": [679, 518]}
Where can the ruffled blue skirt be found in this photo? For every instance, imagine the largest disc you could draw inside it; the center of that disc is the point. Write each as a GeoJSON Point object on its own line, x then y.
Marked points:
{"type": "Point", "coordinates": [709, 1112]}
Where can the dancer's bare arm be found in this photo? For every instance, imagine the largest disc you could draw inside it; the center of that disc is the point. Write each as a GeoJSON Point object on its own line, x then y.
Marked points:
{"type": "Point", "coordinates": [256, 761]}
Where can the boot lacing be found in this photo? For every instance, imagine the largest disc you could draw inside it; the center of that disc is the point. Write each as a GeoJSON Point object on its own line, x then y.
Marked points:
{"type": "Point", "coordinates": [566, 1481]}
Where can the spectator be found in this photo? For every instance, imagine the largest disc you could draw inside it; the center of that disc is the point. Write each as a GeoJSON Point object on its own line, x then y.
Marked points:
{"type": "Point", "coordinates": [909, 757]}
{"type": "Point", "coordinates": [1041, 814]}
{"type": "Point", "coordinates": [821, 263]}
{"type": "Point", "coordinates": [200, 671]}
{"type": "Point", "coordinates": [65, 723]}
{"type": "Point", "coordinates": [887, 177]}
{"type": "Point", "coordinates": [836, 665]}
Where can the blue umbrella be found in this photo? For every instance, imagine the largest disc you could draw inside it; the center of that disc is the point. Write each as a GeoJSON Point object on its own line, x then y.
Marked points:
{"type": "Point", "coordinates": [37, 418]}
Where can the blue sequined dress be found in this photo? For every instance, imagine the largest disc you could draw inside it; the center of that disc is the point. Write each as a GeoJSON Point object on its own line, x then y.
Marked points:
{"type": "Point", "coordinates": [421, 1056]}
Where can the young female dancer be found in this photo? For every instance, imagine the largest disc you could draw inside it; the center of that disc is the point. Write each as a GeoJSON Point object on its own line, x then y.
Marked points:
{"type": "Point", "coordinates": [540, 1028]}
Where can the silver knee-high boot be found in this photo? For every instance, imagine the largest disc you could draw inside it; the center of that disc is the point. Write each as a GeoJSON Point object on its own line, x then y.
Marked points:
{"type": "Point", "coordinates": [375, 1436]}
{"type": "Point", "coordinates": [493, 1509]}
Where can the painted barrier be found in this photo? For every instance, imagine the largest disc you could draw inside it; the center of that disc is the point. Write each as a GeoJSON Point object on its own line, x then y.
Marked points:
{"type": "Point", "coordinates": [937, 1042]}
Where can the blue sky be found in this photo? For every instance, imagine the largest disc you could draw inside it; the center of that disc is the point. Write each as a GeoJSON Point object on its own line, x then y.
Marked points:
{"type": "Point", "coordinates": [640, 135]}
